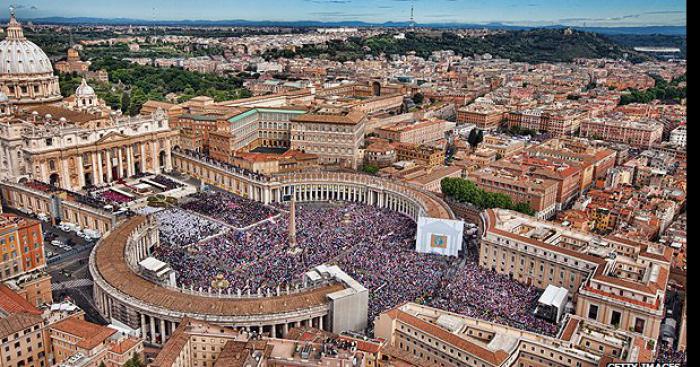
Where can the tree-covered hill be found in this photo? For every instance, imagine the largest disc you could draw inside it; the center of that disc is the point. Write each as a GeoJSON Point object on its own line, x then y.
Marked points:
{"type": "Point", "coordinates": [537, 45]}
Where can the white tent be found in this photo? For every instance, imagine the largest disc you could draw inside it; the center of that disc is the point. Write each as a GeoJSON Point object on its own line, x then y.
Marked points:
{"type": "Point", "coordinates": [552, 303]}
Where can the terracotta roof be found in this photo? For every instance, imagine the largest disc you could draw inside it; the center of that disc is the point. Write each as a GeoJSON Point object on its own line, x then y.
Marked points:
{"type": "Point", "coordinates": [364, 345]}
{"type": "Point", "coordinates": [11, 302]}
{"type": "Point", "coordinates": [90, 335]}
{"type": "Point", "coordinates": [109, 258]}
{"type": "Point", "coordinates": [156, 104]}
{"type": "Point", "coordinates": [173, 347]}
{"type": "Point", "coordinates": [569, 329]}
{"type": "Point", "coordinates": [352, 118]}
{"type": "Point", "coordinates": [124, 345]}
{"type": "Point", "coordinates": [17, 322]}
{"type": "Point", "coordinates": [234, 354]}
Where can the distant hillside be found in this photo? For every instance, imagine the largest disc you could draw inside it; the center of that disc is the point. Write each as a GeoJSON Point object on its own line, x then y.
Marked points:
{"type": "Point", "coordinates": [537, 45]}
{"type": "Point", "coordinates": [675, 30]}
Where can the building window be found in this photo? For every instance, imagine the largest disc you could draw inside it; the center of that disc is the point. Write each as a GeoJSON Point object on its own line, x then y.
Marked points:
{"type": "Point", "coordinates": [593, 312]}
{"type": "Point", "coordinates": [615, 319]}
{"type": "Point", "coordinates": [639, 325]}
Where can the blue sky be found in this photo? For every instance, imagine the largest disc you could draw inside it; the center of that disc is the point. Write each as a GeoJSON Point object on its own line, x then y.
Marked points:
{"type": "Point", "coordinates": [520, 12]}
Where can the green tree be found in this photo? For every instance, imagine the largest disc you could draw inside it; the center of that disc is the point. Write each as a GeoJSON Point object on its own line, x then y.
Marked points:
{"type": "Point", "coordinates": [418, 98]}
{"type": "Point", "coordinates": [138, 98]}
{"type": "Point", "coordinates": [125, 102]}
{"type": "Point", "coordinates": [466, 191]}
{"type": "Point", "coordinates": [475, 137]}
{"type": "Point", "coordinates": [471, 138]}
{"type": "Point", "coordinates": [371, 169]}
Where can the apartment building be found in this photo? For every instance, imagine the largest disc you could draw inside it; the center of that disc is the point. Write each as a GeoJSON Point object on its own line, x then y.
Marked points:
{"type": "Point", "coordinates": [679, 136]}
{"type": "Point", "coordinates": [558, 121]}
{"type": "Point", "coordinates": [22, 339]}
{"type": "Point", "coordinates": [421, 154]}
{"type": "Point", "coordinates": [22, 258]}
{"type": "Point", "coordinates": [485, 116]}
{"type": "Point", "coordinates": [579, 151]}
{"type": "Point", "coordinates": [503, 145]}
{"type": "Point", "coordinates": [614, 128]}
{"type": "Point", "coordinates": [567, 176]}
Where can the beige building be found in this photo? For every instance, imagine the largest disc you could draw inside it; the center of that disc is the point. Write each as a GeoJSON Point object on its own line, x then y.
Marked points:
{"type": "Point", "coordinates": [413, 133]}
{"type": "Point", "coordinates": [434, 337]}
{"type": "Point", "coordinates": [503, 145]}
{"type": "Point", "coordinates": [421, 154]}
{"type": "Point", "coordinates": [335, 138]}
{"type": "Point", "coordinates": [430, 179]}
{"type": "Point", "coordinates": [616, 282]}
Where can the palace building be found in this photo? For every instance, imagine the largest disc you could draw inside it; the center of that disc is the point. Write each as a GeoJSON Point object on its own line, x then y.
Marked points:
{"type": "Point", "coordinates": [615, 281]}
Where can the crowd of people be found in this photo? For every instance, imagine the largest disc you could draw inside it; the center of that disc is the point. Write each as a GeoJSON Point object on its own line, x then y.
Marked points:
{"type": "Point", "coordinates": [665, 353]}
{"type": "Point", "coordinates": [167, 182]}
{"type": "Point", "coordinates": [494, 297]}
{"type": "Point", "coordinates": [374, 246]}
{"type": "Point", "coordinates": [181, 228]}
{"type": "Point", "coordinates": [229, 208]}
{"type": "Point", "coordinates": [111, 196]}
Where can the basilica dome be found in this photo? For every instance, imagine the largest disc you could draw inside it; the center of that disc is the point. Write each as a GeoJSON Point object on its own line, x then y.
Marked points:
{"type": "Point", "coordinates": [21, 56]}
{"type": "Point", "coordinates": [84, 90]}
{"type": "Point", "coordinates": [26, 74]}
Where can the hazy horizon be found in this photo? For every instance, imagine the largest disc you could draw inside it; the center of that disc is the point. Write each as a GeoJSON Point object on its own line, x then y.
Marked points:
{"type": "Point", "coordinates": [592, 13]}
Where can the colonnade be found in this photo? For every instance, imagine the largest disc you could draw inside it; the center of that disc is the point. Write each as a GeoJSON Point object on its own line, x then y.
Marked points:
{"type": "Point", "coordinates": [156, 328]}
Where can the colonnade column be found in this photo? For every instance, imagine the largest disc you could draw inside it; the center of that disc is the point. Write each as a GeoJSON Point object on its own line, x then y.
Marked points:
{"type": "Point", "coordinates": [153, 328]}
{"type": "Point", "coordinates": [66, 173]}
{"type": "Point", "coordinates": [143, 326]}
{"type": "Point", "coordinates": [98, 163]}
{"type": "Point", "coordinates": [143, 157]}
{"type": "Point", "coordinates": [120, 165]}
{"type": "Point", "coordinates": [168, 156]}
{"type": "Point", "coordinates": [108, 155]}
{"type": "Point", "coordinates": [81, 171]}
{"type": "Point", "coordinates": [129, 160]}
{"type": "Point", "coordinates": [156, 163]}
{"type": "Point", "coordinates": [162, 331]}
